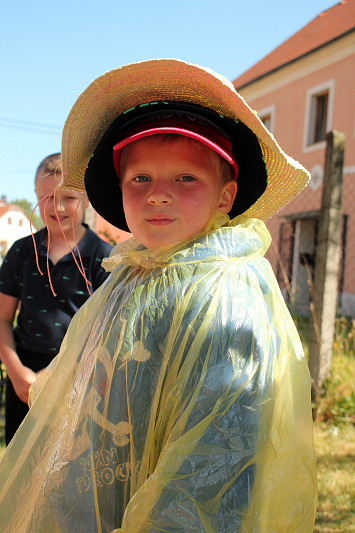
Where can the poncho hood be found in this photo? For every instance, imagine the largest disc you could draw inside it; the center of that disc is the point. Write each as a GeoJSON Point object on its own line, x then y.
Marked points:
{"type": "Point", "coordinates": [219, 241]}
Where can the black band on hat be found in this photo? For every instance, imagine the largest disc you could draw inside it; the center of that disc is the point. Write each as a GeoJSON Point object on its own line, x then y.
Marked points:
{"type": "Point", "coordinates": [101, 181]}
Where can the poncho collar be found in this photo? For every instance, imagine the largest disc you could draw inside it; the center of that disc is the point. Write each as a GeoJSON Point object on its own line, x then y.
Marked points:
{"type": "Point", "coordinates": [221, 239]}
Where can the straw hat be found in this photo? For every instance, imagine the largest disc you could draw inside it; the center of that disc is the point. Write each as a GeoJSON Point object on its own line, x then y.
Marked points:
{"type": "Point", "coordinates": [122, 91]}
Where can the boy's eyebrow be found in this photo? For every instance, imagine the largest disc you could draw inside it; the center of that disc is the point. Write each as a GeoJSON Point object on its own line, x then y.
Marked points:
{"type": "Point", "coordinates": [208, 136]}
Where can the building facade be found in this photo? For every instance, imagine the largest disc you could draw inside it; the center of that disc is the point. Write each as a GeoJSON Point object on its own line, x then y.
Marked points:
{"type": "Point", "coordinates": [301, 90]}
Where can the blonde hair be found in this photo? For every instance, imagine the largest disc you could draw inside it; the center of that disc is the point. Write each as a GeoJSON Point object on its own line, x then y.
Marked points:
{"type": "Point", "coordinates": [52, 164]}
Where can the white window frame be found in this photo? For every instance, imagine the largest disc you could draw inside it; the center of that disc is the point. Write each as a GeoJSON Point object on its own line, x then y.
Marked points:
{"type": "Point", "coordinates": [270, 110]}
{"type": "Point", "coordinates": [312, 93]}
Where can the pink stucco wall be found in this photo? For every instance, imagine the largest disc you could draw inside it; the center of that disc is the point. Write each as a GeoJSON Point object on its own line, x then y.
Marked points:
{"type": "Point", "coordinates": [290, 114]}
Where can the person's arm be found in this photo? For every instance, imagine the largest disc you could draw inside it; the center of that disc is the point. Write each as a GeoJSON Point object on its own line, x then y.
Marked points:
{"type": "Point", "coordinates": [21, 376]}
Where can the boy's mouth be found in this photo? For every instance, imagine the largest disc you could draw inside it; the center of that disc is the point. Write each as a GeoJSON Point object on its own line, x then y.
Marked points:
{"type": "Point", "coordinates": [57, 219]}
{"type": "Point", "coordinates": [160, 220]}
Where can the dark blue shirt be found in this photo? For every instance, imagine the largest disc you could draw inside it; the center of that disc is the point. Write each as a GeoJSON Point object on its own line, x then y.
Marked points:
{"type": "Point", "coordinates": [43, 319]}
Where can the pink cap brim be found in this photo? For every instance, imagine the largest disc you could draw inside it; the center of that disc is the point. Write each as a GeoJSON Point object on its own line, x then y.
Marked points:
{"type": "Point", "coordinates": [225, 152]}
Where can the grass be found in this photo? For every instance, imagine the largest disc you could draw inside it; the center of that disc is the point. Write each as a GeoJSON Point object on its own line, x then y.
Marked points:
{"type": "Point", "coordinates": [335, 452]}
{"type": "Point", "coordinates": [335, 438]}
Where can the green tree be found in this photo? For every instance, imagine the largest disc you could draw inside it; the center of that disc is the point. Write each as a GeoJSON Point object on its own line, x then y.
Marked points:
{"type": "Point", "coordinates": [28, 208]}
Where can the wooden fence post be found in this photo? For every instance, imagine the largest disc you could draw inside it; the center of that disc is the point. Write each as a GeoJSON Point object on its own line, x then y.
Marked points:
{"type": "Point", "coordinates": [327, 263]}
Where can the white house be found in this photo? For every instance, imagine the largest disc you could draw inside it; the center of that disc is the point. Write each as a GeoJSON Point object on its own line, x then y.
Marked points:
{"type": "Point", "coordinates": [14, 225]}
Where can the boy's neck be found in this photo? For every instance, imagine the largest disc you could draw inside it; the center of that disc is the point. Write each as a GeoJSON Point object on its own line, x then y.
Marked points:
{"type": "Point", "coordinates": [58, 246]}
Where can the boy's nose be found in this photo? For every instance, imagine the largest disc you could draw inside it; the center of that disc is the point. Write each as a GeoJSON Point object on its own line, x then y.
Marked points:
{"type": "Point", "coordinates": [159, 196]}
{"type": "Point", "coordinates": [59, 204]}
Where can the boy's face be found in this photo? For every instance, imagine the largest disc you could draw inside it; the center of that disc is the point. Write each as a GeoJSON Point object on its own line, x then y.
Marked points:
{"type": "Point", "coordinates": [170, 191]}
{"type": "Point", "coordinates": [66, 205]}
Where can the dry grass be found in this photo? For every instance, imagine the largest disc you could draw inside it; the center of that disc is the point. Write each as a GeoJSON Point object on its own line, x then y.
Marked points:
{"type": "Point", "coordinates": [335, 451]}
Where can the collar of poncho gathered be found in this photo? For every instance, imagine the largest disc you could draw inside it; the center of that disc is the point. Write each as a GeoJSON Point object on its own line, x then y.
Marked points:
{"type": "Point", "coordinates": [238, 239]}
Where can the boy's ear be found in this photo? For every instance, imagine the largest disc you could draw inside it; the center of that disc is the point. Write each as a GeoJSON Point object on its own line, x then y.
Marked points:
{"type": "Point", "coordinates": [85, 201]}
{"type": "Point", "coordinates": [228, 192]}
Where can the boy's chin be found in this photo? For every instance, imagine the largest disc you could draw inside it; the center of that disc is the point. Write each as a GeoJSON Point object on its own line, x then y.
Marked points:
{"type": "Point", "coordinates": [159, 243]}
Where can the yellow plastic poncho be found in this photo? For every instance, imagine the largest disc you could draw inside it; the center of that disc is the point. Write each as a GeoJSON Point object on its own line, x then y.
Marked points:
{"type": "Point", "coordinates": [179, 402]}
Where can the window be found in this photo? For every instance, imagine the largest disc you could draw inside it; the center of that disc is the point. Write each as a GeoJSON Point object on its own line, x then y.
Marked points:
{"type": "Point", "coordinates": [285, 256]}
{"type": "Point", "coordinates": [20, 222]}
{"type": "Point", "coordinates": [318, 120]}
{"type": "Point", "coordinates": [267, 116]}
{"type": "Point", "coordinates": [296, 254]}
{"type": "Point", "coordinates": [267, 121]}
{"type": "Point", "coordinates": [9, 221]}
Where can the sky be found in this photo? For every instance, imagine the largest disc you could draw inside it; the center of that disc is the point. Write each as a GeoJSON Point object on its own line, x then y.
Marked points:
{"type": "Point", "coordinates": [50, 51]}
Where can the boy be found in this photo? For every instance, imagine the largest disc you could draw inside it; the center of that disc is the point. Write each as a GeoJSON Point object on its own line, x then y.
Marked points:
{"type": "Point", "coordinates": [43, 319]}
{"type": "Point", "coordinates": [180, 400]}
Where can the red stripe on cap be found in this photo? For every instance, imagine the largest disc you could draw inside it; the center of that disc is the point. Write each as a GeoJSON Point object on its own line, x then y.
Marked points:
{"type": "Point", "coordinates": [225, 152]}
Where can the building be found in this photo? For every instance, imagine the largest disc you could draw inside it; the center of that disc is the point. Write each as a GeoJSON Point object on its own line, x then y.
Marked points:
{"type": "Point", "coordinates": [301, 90]}
{"type": "Point", "coordinates": [14, 225]}
{"type": "Point", "coordinates": [110, 233]}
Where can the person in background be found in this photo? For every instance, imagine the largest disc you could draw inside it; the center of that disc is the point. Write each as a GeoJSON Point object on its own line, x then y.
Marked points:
{"type": "Point", "coordinates": [43, 317]}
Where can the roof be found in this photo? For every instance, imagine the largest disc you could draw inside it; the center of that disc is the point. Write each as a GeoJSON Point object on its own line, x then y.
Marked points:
{"type": "Point", "coordinates": [326, 27]}
{"type": "Point", "coordinates": [9, 207]}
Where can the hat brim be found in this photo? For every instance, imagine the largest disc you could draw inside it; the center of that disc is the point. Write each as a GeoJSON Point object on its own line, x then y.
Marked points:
{"type": "Point", "coordinates": [119, 90]}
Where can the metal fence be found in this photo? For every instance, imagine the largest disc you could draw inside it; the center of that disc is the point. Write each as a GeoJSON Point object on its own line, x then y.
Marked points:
{"type": "Point", "coordinates": [294, 231]}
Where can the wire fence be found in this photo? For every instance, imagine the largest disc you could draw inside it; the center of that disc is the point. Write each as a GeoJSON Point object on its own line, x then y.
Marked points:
{"type": "Point", "coordinates": [294, 231]}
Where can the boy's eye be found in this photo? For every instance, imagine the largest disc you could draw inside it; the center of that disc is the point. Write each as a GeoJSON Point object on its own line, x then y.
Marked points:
{"type": "Point", "coordinates": [141, 179]}
{"type": "Point", "coordinates": [187, 178]}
